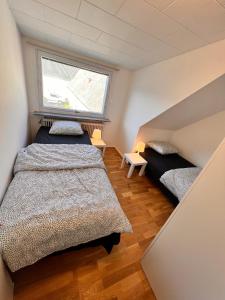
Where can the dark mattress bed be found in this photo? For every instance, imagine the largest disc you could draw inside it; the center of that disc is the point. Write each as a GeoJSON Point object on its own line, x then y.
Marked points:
{"type": "Point", "coordinates": [158, 164]}
{"type": "Point", "coordinates": [43, 137]}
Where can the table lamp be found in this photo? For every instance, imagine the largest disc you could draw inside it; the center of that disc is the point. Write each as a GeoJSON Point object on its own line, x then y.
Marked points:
{"type": "Point", "coordinates": [97, 134]}
{"type": "Point", "coordinates": [140, 147]}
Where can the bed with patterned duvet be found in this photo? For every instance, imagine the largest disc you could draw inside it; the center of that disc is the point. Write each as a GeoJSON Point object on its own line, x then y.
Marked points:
{"type": "Point", "coordinates": [179, 181]}
{"type": "Point", "coordinates": [59, 197]}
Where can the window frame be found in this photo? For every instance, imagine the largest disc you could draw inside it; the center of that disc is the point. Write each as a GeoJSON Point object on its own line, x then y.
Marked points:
{"type": "Point", "coordinates": [77, 64]}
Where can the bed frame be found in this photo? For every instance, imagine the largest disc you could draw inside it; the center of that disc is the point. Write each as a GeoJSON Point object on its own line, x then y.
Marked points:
{"type": "Point", "coordinates": [158, 164]}
{"type": "Point", "coordinates": [107, 242]}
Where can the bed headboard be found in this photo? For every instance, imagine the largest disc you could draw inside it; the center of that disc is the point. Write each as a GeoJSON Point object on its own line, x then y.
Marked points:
{"type": "Point", "coordinates": [87, 126]}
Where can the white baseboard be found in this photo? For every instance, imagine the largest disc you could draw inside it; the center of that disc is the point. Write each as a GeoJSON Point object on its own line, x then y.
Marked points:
{"type": "Point", "coordinates": [118, 151]}
{"type": "Point", "coordinates": [112, 146]}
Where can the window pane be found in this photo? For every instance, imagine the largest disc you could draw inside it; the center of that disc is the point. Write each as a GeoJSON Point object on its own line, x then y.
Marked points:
{"type": "Point", "coordinates": [69, 87]}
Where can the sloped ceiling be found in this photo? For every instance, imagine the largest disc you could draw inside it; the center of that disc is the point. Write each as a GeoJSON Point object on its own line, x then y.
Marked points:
{"type": "Point", "coordinates": [206, 102]}
{"type": "Point", "coordinates": [127, 33]}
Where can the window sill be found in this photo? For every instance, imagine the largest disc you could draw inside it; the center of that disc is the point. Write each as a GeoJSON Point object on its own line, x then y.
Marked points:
{"type": "Point", "coordinates": [69, 117]}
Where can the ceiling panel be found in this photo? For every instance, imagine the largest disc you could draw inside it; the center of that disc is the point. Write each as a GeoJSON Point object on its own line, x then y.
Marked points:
{"type": "Point", "coordinates": [101, 51]}
{"type": "Point", "coordinates": [43, 31]}
{"type": "Point", "coordinates": [33, 26]}
{"type": "Point", "coordinates": [164, 53]}
{"type": "Point", "coordinates": [31, 8]}
{"type": "Point", "coordinates": [108, 5]}
{"type": "Point", "coordinates": [117, 44]}
{"type": "Point", "coordinates": [104, 21]}
{"type": "Point", "coordinates": [204, 17]}
{"type": "Point", "coordinates": [129, 33]}
{"type": "Point", "coordinates": [145, 17]}
{"type": "Point", "coordinates": [69, 7]}
{"type": "Point", "coordinates": [116, 27]}
{"type": "Point", "coordinates": [70, 24]}
{"type": "Point", "coordinates": [160, 4]}
{"type": "Point", "coordinates": [184, 40]}
{"type": "Point", "coordinates": [89, 45]}
{"type": "Point", "coordinates": [146, 42]}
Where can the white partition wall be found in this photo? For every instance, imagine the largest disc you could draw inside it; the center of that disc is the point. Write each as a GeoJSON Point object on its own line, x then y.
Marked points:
{"type": "Point", "coordinates": [13, 113]}
{"type": "Point", "coordinates": [186, 261]}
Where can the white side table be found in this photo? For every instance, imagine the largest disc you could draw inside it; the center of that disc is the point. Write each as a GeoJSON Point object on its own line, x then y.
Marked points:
{"type": "Point", "coordinates": [99, 144]}
{"type": "Point", "coordinates": [135, 160]}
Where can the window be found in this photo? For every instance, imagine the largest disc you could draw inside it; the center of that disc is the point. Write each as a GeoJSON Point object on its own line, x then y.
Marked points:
{"type": "Point", "coordinates": [67, 86]}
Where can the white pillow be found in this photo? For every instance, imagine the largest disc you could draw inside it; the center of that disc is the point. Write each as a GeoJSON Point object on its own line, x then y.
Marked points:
{"type": "Point", "coordinates": [163, 147]}
{"type": "Point", "coordinates": [66, 128]}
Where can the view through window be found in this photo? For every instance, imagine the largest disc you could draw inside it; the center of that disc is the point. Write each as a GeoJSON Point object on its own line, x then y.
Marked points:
{"type": "Point", "coordinates": [73, 88]}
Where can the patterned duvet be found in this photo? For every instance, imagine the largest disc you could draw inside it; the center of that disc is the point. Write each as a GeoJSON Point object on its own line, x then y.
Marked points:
{"type": "Point", "coordinates": [60, 197]}
{"type": "Point", "coordinates": [178, 181]}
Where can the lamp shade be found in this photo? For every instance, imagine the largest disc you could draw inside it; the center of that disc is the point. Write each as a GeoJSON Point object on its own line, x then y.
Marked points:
{"type": "Point", "coordinates": [97, 134]}
{"type": "Point", "coordinates": [140, 147]}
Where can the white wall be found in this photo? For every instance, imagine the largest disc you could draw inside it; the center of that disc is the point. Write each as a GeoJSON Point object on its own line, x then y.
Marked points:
{"type": "Point", "coordinates": [117, 96]}
{"type": "Point", "coordinates": [186, 259]}
{"type": "Point", "coordinates": [147, 133]}
{"type": "Point", "coordinates": [13, 104]}
{"type": "Point", "coordinates": [204, 103]}
{"type": "Point", "coordinates": [116, 105]}
{"type": "Point", "coordinates": [156, 88]}
{"type": "Point", "coordinates": [188, 124]}
{"type": "Point", "coordinates": [198, 141]}
{"type": "Point", "coordinates": [13, 111]}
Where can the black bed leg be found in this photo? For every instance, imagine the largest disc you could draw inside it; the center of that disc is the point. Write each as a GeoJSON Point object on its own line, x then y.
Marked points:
{"type": "Point", "coordinates": [108, 247]}
{"type": "Point", "coordinates": [110, 241]}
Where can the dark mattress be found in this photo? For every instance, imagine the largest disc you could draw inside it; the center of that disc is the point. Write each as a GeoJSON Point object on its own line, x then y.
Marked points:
{"type": "Point", "coordinates": [158, 164]}
{"type": "Point", "coordinates": [43, 137]}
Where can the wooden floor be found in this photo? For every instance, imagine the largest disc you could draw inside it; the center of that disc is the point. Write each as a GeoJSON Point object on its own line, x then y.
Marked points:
{"type": "Point", "coordinates": [91, 274]}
